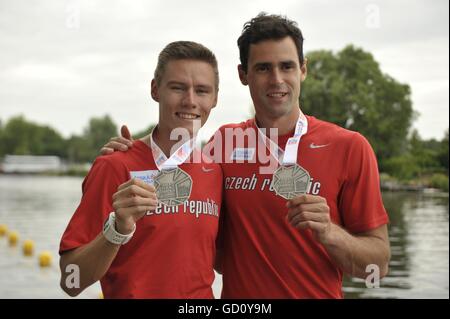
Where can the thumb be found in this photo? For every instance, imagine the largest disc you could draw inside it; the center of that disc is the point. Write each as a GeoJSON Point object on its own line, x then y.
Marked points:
{"type": "Point", "coordinates": [125, 133]}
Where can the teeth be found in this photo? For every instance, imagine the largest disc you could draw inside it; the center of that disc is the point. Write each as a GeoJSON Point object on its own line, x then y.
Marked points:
{"type": "Point", "coordinates": [187, 116]}
{"type": "Point", "coordinates": [277, 94]}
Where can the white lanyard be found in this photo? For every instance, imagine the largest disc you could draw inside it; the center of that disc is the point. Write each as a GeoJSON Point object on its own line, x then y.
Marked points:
{"type": "Point", "coordinates": [289, 155]}
{"type": "Point", "coordinates": [177, 158]}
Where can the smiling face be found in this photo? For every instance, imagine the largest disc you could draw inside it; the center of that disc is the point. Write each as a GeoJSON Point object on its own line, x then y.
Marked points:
{"type": "Point", "coordinates": [274, 75]}
{"type": "Point", "coordinates": [187, 93]}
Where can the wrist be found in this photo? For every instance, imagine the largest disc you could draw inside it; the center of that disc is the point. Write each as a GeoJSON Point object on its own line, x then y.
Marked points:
{"type": "Point", "coordinates": [331, 236]}
{"type": "Point", "coordinates": [112, 234]}
{"type": "Point", "coordinates": [124, 227]}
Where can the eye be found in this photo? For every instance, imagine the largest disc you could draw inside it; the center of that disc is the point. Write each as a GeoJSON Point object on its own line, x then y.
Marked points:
{"type": "Point", "coordinates": [202, 91]}
{"type": "Point", "coordinates": [287, 66]}
{"type": "Point", "coordinates": [177, 88]}
{"type": "Point", "coordinates": [262, 68]}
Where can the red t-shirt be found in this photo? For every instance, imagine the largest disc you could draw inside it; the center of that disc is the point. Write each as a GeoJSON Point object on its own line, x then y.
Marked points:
{"type": "Point", "coordinates": [171, 254]}
{"type": "Point", "coordinates": [264, 256]}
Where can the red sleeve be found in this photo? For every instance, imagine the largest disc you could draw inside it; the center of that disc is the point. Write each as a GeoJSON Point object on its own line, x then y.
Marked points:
{"type": "Point", "coordinates": [98, 187]}
{"type": "Point", "coordinates": [360, 203]}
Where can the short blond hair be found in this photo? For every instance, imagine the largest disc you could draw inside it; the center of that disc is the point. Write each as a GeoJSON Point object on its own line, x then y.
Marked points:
{"type": "Point", "coordinates": [185, 50]}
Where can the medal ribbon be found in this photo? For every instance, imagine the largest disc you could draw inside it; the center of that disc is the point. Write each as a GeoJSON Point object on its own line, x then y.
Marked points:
{"type": "Point", "coordinates": [177, 158]}
{"type": "Point", "coordinates": [289, 155]}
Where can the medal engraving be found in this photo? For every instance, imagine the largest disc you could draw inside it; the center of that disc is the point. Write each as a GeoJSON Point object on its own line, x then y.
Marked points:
{"type": "Point", "coordinates": [173, 186]}
{"type": "Point", "coordinates": [290, 181]}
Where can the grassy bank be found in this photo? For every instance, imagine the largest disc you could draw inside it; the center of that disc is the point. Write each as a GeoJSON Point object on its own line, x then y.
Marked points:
{"type": "Point", "coordinates": [435, 181]}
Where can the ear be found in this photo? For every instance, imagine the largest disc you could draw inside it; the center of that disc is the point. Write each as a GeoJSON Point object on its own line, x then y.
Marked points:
{"type": "Point", "coordinates": [242, 75]}
{"type": "Point", "coordinates": [154, 91]}
{"type": "Point", "coordinates": [304, 69]}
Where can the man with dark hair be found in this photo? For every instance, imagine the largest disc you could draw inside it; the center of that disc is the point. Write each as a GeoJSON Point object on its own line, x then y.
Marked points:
{"type": "Point", "coordinates": [268, 27]}
{"type": "Point", "coordinates": [297, 246]}
{"type": "Point", "coordinates": [292, 232]}
{"type": "Point", "coordinates": [170, 248]}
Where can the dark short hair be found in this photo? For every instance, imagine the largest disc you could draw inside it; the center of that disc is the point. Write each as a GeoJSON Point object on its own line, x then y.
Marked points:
{"type": "Point", "coordinates": [268, 27]}
{"type": "Point", "coordinates": [185, 50]}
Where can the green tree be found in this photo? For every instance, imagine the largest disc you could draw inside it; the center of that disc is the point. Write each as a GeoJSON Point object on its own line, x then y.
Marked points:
{"type": "Point", "coordinates": [21, 137]}
{"type": "Point", "coordinates": [442, 156]}
{"type": "Point", "coordinates": [78, 149]}
{"type": "Point", "coordinates": [86, 148]}
{"type": "Point", "coordinates": [99, 130]}
{"type": "Point", "coordinates": [349, 89]}
{"type": "Point", "coordinates": [423, 154]}
{"type": "Point", "coordinates": [425, 161]}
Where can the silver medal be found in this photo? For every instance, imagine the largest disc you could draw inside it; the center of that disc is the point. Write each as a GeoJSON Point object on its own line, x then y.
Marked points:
{"type": "Point", "coordinates": [290, 181]}
{"type": "Point", "coordinates": [173, 186]}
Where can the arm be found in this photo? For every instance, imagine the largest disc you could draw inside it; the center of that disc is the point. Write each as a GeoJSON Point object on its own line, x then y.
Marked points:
{"type": "Point", "coordinates": [93, 260]}
{"type": "Point", "coordinates": [350, 252]}
{"type": "Point", "coordinates": [131, 202]}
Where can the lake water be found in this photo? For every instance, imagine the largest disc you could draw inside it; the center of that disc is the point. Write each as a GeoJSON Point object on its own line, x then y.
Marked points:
{"type": "Point", "coordinates": [39, 208]}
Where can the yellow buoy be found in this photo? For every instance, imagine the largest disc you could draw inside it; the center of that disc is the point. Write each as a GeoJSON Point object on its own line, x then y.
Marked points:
{"type": "Point", "coordinates": [28, 247]}
{"type": "Point", "coordinates": [45, 259]}
{"type": "Point", "coordinates": [3, 230]}
{"type": "Point", "coordinates": [13, 238]}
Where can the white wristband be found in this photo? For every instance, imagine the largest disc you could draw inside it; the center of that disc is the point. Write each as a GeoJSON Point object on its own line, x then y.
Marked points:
{"type": "Point", "coordinates": [111, 234]}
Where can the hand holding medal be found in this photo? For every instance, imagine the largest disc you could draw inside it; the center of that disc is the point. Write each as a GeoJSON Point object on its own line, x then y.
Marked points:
{"type": "Point", "coordinates": [311, 212]}
{"type": "Point", "coordinates": [131, 202]}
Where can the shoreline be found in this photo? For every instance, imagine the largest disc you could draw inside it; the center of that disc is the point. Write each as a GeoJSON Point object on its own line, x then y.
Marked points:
{"type": "Point", "coordinates": [388, 184]}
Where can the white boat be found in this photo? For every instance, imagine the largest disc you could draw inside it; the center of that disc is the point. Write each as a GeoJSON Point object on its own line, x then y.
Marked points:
{"type": "Point", "coordinates": [31, 164]}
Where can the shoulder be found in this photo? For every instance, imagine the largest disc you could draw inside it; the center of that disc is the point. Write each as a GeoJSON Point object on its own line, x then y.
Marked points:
{"type": "Point", "coordinates": [332, 133]}
{"type": "Point", "coordinates": [124, 158]}
{"type": "Point", "coordinates": [117, 164]}
{"type": "Point", "coordinates": [104, 169]}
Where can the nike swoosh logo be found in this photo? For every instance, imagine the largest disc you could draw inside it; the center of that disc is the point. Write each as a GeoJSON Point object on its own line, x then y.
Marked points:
{"type": "Point", "coordinates": [207, 170]}
{"type": "Point", "coordinates": [312, 145]}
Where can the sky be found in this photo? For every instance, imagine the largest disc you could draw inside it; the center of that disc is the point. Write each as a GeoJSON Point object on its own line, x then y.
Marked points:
{"type": "Point", "coordinates": [63, 62]}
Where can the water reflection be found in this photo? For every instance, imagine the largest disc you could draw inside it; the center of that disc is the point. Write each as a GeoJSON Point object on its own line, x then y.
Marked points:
{"type": "Point", "coordinates": [419, 233]}
{"type": "Point", "coordinates": [40, 207]}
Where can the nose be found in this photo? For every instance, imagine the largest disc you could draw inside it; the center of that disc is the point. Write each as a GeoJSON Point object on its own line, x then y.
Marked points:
{"type": "Point", "coordinates": [189, 99]}
{"type": "Point", "coordinates": [275, 76]}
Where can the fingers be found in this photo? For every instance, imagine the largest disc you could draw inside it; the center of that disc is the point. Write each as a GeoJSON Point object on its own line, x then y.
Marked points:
{"type": "Point", "coordinates": [133, 190]}
{"type": "Point", "coordinates": [125, 132]}
{"type": "Point", "coordinates": [136, 202]}
{"type": "Point", "coordinates": [132, 200]}
{"type": "Point", "coordinates": [115, 146]}
{"type": "Point", "coordinates": [304, 199]}
{"type": "Point", "coordinates": [106, 150]}
{"type": "Point", "coordinates": [119, 141]}
{"type": "Point", "coordinates": [294, 219]}
{"type": "Point", "coordinates": [141, 183]}
{"type": "Point", "coordinates": [134, 187]}
{"type": "Point", "coordinates": [313, 214]}
{"type": "Point", "coordinates": [314, 226]}
{"type": "Point", "coordinates": [137, 182]}
{"type": "Point", "coordinates": [315, 208]}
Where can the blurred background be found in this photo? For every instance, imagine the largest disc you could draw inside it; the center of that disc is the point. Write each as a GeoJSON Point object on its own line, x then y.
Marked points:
{"type": "Point", "coordinates": [73, 71]}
